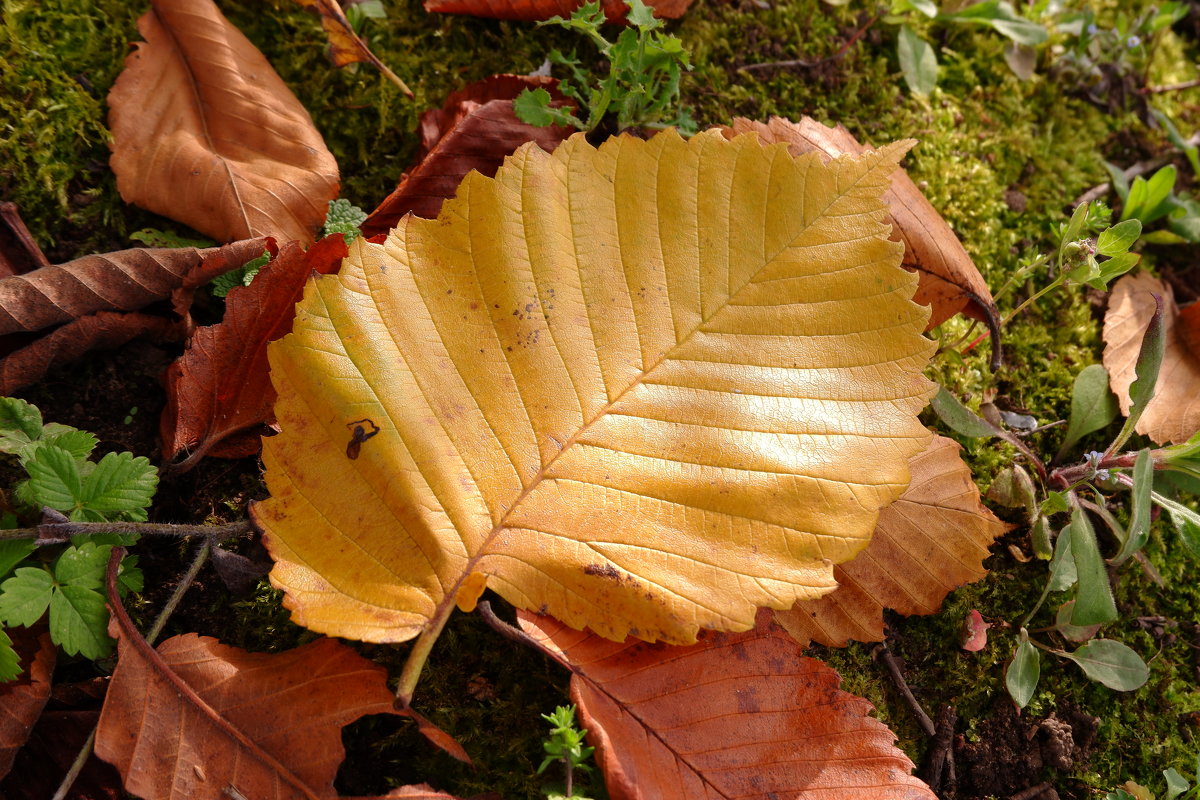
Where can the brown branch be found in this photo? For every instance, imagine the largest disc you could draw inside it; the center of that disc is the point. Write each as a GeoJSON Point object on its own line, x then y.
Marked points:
{"type": "Point", "coordinates": [1173, 87]}
{"type": "Point", "coordinates": [61, 532]}
{"type": "Point", "coordinates": [881, 652]}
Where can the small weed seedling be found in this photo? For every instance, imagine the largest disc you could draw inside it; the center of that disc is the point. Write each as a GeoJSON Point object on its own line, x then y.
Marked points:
{"type": "Point", "coordinates": [1178, 788]}
{"type": "Point", "coordinates": [64, 484]}
{"type": "Point", "coordinates": [565, 745]}
{"type": "Point", "coordinates": [642, 85]}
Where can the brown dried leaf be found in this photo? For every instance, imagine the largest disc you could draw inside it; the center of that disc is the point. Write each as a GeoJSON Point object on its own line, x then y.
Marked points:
{"type": "Point", "coordinates": [345, 46]}
{"type": "Point", "coordinates": [206, 133]}
{"type": "Point", "coordinates": [219, 392]}
{"type": "Point", "coordinates": [537, 10]}
{"type": "Point", "coordinates": [53, 747]}
{"type": "Point", "coordinates": [735, 715]}
{"type": "Point", "coordinates": [949, 281]}
{"type": "Point", "coordinates": [926, 544]}
{"type": "Point", "coordinates": [125, 280]}
{"type": "Point", "coordinates": [103, 330]}
{"type": "Point", "coordinates": [475, 129]}
{"type": "Point", "coordinates": [19, 252]}
{"type": "Point", "coordinates": [194, 717]}
{"type": "Point", "coordinates": [22, 700]}
{"type": "Point", "coordinates": [1173, 415]}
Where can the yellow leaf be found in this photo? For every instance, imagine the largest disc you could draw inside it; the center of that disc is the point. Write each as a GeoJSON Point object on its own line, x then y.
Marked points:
{"type": "Point", "coordinates": [646, 388]}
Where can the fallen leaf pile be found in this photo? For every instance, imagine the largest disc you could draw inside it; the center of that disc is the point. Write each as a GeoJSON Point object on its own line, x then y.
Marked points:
{"type": "Point", "coordinates": [650, 388]}
{"type": "Point", "coordinates": [1173, 415]}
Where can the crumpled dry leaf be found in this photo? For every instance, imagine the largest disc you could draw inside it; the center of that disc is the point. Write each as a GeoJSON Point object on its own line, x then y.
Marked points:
{"type": "Point", "coordinates": [19, 252]}
{"type": "Point", "coordinates": [926, 544]}
{"type": "Point", "coordinates": [537, 10]}
{"type": "Point", "coordinates": [218, 391]}
{"type": "Point", "coordinates": [475, 129]}
{"type": "Point", "coordinates": [103, 330]}
{"type": "Point", "coordinates": [125, 280]}
{"type": "Point", "coordinates": [735, 715]}
{"type": "Point", "coordinates": [1173, 415]}
{"type": "Point", "coordinates": [206, 133]}
{"type": "Point", "coordinates": [648, 388]}
{"type": "Point", "coordinates": [949, 281]}
{"type": "Point", "coordinates": [22, 700]}
{"type": "Point", "coordinates": [345, 46]}
{"type": "Point", "coordinates": [193, 717]}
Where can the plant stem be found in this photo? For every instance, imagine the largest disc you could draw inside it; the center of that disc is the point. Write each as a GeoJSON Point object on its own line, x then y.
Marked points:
{"type": "Point", "coordinates": [81, 758]}
{"type": "Point", "coordinates": [184, 583]}
{"type": "Point", "coordinates": [61, 532]}
{"type": "Point", "coordinates": [419, 654]}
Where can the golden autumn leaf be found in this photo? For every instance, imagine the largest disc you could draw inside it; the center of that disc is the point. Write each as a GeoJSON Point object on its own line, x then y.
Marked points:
{"type": "Point", "coordinates": [1173, 415]}
{"type": "Point", "coordinates": [205, 132]}
{"type": "Point", "coordinates": [646, 388]}
{"type": "Point", "coordinates": [949, 281]}
{"type": "Point", "coordinates": [928, 543]}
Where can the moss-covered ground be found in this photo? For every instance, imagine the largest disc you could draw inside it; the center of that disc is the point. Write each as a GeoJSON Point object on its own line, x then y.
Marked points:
{"type": "Point", "coordinates": [1002, 159]}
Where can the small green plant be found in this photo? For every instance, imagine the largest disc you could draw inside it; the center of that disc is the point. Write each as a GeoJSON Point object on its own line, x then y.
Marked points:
{"type": "Point", "coordinates": [642, 85]}
{"type": "Point", "coordinates": [1152, 199]}
{"type": "Point", "coordinates": [1178, 788]}
{"type": "Point", "coordinates": [65, 582]}
{"type": "Point", "coordinates": [918, 61]}
{"type": "Point", "coordinates": [1090, 489]}
{"type": "Point", "coordinates": [565, 746]}
{"type": "Point", "coordinates": [342, 217]}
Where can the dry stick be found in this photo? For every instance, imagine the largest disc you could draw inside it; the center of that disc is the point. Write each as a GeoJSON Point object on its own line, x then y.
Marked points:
{"type": "Point", "coordinates": [61, 532]}
{"type": "Point", "coordinates": [1173, 87]}
{"type": "Point", "coordinates": [941, 756]}
{"type": "Point", "coordinates": [1132, 172]}
{"type": "Point", "coordinates": [117, 554]}
{"type": "Point", "coordinates": [799, 62]}
{"type": "Point", "coordinates": [881, 652]}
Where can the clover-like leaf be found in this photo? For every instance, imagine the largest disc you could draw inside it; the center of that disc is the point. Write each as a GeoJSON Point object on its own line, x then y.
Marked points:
{"type": "Point", "coordinates": [646, 388]}
{"type": "Point", "coordinates": [78, 618]}
{"type": "Point", "coordinates": [25, 596]}
{"type": "Point", "coordinates": [120, 484]}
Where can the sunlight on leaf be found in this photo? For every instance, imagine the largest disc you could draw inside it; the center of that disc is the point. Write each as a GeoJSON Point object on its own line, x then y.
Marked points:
{"type": "Point", "coordinates": [646, 388]}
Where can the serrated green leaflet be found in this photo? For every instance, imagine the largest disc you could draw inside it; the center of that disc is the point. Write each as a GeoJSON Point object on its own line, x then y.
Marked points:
{"type": "Point", "coordinates": [20, 424]}
{"type": "Point", "coordinates": [83, 565]}
{"type": "Point", "coordinates": [1111, 663]}
{"type": "Point", "coordinates": [10, 662]}
{"type": "Point", "coordinates": [130, 578]}
{"type": "Point", "coordinates": [54, 478]}
{"type": "Point", "coordinates": [79, 444]}
{"type": "Point", "coordinates": [78, 618]}
{"type": "Point", "coordinates": [1023, 672]}
{"type": "Point", "coordinates": [120, 484]}
{"type": "Point", "coordinates": [13, 552]}
{"type": "Point", "coordinates": [1094, 604]}
{"type": "Point", "coordinates": [25, 596]}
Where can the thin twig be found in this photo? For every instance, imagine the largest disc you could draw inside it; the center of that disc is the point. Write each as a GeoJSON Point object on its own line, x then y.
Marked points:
{"type": "Point", "coordinates": [81, 758]}
{"type": "Point", "coordinates": [504, 629]}
{"type": "Point", "coordinates": [1172, 87]}
{"type": "Point", "coordinates": [940, 760]}
{"type": "Point", "coordinates": [184, 583]}
{"type": "Point", "coordinates": [881, 652]}
{"type": "Point", "coordinates": [61, 532]}
{"type": "Point", "coordinates": [799, 62]}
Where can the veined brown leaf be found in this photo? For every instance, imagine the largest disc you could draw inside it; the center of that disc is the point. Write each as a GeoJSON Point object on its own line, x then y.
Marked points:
{"type": "Point", "coordinates": [735, 715]}
{"type": "Point", "coordinates": [206, 133]}
{"type": "Point", "coordinates": [928, 543]}
{"type": "Point", "coordinates": [647, 388]}
{"type": "Point", "coordinates": [1173, 415]}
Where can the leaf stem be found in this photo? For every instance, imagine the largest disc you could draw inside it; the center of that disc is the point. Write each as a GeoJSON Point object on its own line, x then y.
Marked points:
{"type": "Point", "coordinates": [61, 532]}
{"type": "Point", "coordinates": [184, 584]}
{"type": "Point", "coordinates": [419, 654]}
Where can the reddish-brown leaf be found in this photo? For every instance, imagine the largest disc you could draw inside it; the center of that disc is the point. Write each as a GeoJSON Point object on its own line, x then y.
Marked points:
{"type": "Point", "coordinates": [1173, 415]}
{"type": "Point", "coordinates": [475, 129]}
{"type": "Point", "coordinates": [926, 544]}
{"type": "Point", "coordinates": [735, 715]}
{"type": "Point", "coordinates": [53, 747]}
{"type": "Point", "coordinates": [949, 281]}
{"type": "Point", "coordinates": [537, 10]}
{"type": "Point", "coordinates": [218, 392]}
{"type": "Point", "coordinates": [194, 718]}
{"type": "Point", "coordinates": [103, 330]}
{"type": "Point", "coordinates": [206, 133]}
{"type": "Point", "coordinates": [345, 46]}
{"type": "Point", "coordinates": [22, 700]}
{"type": "Point", "coordinates": [125, 280]}
{"type": "Point", "coordinates": [19, 252]}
